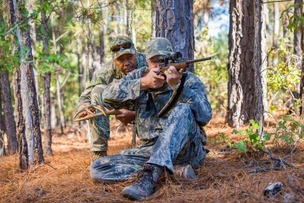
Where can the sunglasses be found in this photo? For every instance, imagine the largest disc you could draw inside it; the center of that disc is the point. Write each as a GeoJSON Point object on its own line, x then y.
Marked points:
{"type": "Point", "coordinates": [119, 47]}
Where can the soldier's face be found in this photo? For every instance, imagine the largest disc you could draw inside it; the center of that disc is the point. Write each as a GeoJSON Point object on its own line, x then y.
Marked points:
{"type": "Point", "coordinates": [126, 63]}
{"type": "Point", "coordinates": [154, 62]}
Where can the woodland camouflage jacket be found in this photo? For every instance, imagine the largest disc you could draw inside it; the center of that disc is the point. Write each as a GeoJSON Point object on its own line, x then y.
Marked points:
{"type": "Point", "coordinates": [105, 75]}
{"type": "Point", "coordinates": [120, 93]}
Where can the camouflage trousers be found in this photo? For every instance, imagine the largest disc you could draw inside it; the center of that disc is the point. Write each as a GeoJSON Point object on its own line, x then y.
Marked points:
{"type": "Point", "coordinates": [180, 143]}
{"type": "Point", "coordinates": [99, 127]}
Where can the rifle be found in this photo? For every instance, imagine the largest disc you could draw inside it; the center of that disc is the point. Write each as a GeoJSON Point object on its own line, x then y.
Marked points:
{"type": "Point", "coordinates": [90, 112]}
{"type": "Point", "coordinates": [177, 61]}
{"type": "Point", "coordinates": [174, 59]}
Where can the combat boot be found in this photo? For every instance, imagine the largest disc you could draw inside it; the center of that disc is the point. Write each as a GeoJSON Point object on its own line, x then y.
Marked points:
{"type": "Point", "coordinates": [145, 184]}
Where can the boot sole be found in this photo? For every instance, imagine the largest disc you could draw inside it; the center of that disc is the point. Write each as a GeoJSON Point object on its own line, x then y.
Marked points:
{"type": "Point", "coordinates": [130, 194]}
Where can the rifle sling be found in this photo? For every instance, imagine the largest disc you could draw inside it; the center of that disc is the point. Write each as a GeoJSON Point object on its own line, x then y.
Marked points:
{"type": "Point", "coordinates": [174, 97]}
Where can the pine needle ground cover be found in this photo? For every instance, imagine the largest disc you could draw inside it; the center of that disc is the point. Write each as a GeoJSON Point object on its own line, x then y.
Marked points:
{"type": "Point", "coordinates": [225, 176]}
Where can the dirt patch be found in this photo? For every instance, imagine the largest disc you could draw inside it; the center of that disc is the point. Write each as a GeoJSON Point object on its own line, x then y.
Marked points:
{"type": "Point", "coordinates": [225, 176]}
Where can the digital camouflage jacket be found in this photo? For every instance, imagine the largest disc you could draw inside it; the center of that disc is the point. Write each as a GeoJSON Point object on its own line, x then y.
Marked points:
{"type": "Point", "coordinates": [120, 93]}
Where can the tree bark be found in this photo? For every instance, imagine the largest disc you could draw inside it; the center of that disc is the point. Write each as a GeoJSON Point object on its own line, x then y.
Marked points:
{"type": "Point", "coordinates": [60, 104]}
{"type": "Point", "coordinates": [9, 120]}
{"type": "Point", "coordinates": [47, 94]}
{"type": "Point", "coordinates": [235, 88]}
{"type": "Point", "coordinates": [259, 64]}
{"type": "Point", "coordinates": [174, 21]}
{"type": "Point", "coordinates": [153, 18]}
{"type": "Point", "coordinates": [20, 123]}
{"type": "Point", "coordinates": [299, 49]}
{"type": "Point", "coordinates": [102, 47]}
{"type": "Point", "coordinates": [247, 55]}
{"type": "Point", "coordinates": [34, 108]}
{"type": "Point", "coordinates": [297, 32]}
{"type": "Point", "coordinates": [2, 149]}
{"type": "Point", "coordinates": [30, 108]}
{"type": "Point", "coordinates": [23, 148]}
{"type": "Point", "coordinates": [247, 63]}
{"type": "Point", "coordinates": [58, 89]}
{"type": "Point", "coordinates": [276, 31]}
{"type": "Point", "coordinates": [89, 54]}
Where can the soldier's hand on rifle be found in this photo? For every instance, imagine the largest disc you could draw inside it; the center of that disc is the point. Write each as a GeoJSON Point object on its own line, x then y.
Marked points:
{"type": "Point", "coordinates": [152, 80]}
{"type": "Point", "coordinates": [126, 116]}
{"type": "Point", "coordinates": [173, 76]}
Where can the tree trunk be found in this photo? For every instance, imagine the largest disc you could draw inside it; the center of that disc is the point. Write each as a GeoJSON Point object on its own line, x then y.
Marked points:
{"type": "Point", "coordinates": [9, 120]}
{"type": "Point", "coordinates": [89, 54]}
{"type": "Point", "coordinates": [128, 31]}
{"type": "Point", "coordinates": [23, 148]}
{"type": "Point", "coordinates": [299, 49]}
{"type": "Point", "coordinates": [174, 21]}
{"type": "Point", "coordinates": [247, 55]}
{"type": "Point", "coordinates": [2, 149]}
{"type": "Point", "coordinates": [259, 64]}
{"type": "Point", "coordinates": [33, 82]}
{"type": "Point", "coordinates": [235, 89]}
{"type": "Point", "coordinates": [153, 17]}
{"type": "Point", "coordinates": [58, 90]}
{"type": "Point", "coordinates": [241, 86]}
{"type": "Point", "coordinates": [20, 120]}
{"type": "Point", "coordinates": [297, 33]}
{"type": "Point", "coordinates": [30, 108]}
{"type": "Point", "coordinates": [34, 108]}
{"type": "Point", "coordinates": [8, 124]}
{"type": "Point", "coordinates": [47, 93]}
{"type": "Point", "coordinates": [30, 4]}
{"type": "Point", "coordinates": [102, 47]}
{"type": "Point", "coordinates": [276, 32]}
{"type": "Point", "coordinates": [60, 104]}
{"type": "Point", "coordinates": [83, 63]}
{"type": "Point", "coordinates": [247, 63]}
{"type": "Point", "coordinates": [47, 115]}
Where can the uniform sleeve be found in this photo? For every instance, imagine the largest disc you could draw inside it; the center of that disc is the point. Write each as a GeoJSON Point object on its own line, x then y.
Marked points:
{"type": "Point", "coordinates": [120, 93]}
{"type": "Point", "coordinates": [102, 76]}
{"type": "Point", "coordinates": [194, 93]}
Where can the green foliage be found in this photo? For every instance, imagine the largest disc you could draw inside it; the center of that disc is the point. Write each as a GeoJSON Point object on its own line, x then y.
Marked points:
{"type": "Point", "coordinates": [9, 59]}
{"type": "Point", "coordinates": [288, 131]}
{"type": "Point", "coordinates": [286, 73]}
{"type": "Point", "coordinates": [47, 63]}
{"type": "Point", "coordinates": [222, 138]}
{"type": "Point", "coordinates": [252, 139]}
{"type": "Point", "coordinates": [214, 72]}
{"type": "Point", "coordinates": [295, 21]}
{"type": "Point", "coordinates": [283, 76]}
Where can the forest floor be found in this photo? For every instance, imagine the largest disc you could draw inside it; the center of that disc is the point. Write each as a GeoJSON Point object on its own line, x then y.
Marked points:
{"type": "Point", "coordinates": [225, 176]}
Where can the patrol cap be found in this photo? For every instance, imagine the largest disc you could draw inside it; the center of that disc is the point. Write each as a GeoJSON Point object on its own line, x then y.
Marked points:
{"type": "Point", "coordinates": [121, 45]}
{"type": "Point", "coordinates": [158, 46]}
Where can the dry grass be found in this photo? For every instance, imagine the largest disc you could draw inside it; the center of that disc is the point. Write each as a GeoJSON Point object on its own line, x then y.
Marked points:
{"type": "Point", "coordinates": [224, 176]}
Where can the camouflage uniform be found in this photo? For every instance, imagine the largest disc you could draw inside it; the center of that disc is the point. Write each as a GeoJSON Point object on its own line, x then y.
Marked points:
{"type": "Point", "coordinates": [176, 137]}
{"type": "Point", "coordinates": [99, 127]}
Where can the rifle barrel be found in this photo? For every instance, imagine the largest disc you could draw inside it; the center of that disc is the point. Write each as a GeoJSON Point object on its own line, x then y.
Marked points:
{"type": "Point", "coordinates": [198, 60]}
